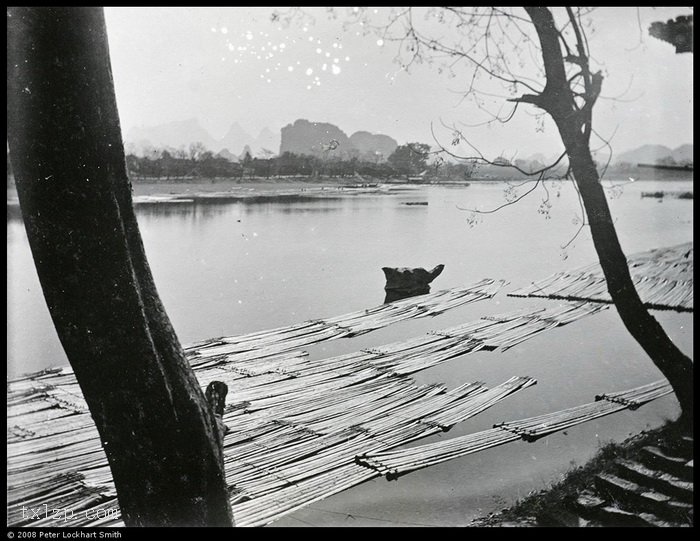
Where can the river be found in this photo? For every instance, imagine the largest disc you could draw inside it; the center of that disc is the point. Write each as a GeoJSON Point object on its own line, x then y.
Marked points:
{"type": "Point", "coordinates": [231, 268]}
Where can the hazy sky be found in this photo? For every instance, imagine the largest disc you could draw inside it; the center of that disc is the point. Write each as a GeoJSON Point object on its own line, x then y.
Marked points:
{"type": "Point", "coordinates": [225, 65]}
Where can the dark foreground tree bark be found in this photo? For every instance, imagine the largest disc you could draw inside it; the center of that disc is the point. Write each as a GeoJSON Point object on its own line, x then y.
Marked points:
{"type": "Point", "coordinates": [159, 433]}
{"type": "Point", "coordinates": [574, 124]}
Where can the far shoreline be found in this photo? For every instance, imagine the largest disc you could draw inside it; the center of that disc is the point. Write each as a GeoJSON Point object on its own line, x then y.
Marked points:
{"type": "Point", "coordinates": [154, 191]}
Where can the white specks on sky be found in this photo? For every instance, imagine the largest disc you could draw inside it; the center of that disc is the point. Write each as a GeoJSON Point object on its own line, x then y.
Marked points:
{"type": "Point", "coordinates": [246, 46]}
{"type": "Point", "coordinates": [175, 63]}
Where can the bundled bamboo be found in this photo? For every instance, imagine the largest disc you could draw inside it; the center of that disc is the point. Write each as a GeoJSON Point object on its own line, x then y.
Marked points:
{"type": "Point", "coordinates": [264, 510]}
{"type": "Point", "coordinates": [537, 427]}
{"type": "Point", "coordinates": [350, 324]}
{"type": "Point", "coordinates": [638, 396]}
{"type": "Point", "coordinates": [663, 278]}
{"type": "Point", "coordinates": [295, 422]}
{"type": "Point", "coordinates": [396, 463]}
{"type": "Point", "coordinates": [446, 419]}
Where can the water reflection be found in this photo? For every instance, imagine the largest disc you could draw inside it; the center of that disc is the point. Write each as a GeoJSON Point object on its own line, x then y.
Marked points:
{"type": "Point", "coordinates": [274, 208]}
{"type": "Point", "coordinates": [403, 282]}
{"type": "Point", "coordinates": [181, 210]}
{"type": "Point", "coordinates": [206, 207]}
{"type": "Point", "coordinates": [398, 294]}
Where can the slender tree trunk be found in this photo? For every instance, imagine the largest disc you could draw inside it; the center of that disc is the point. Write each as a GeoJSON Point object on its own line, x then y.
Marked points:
{"type": "Point", "coordinates": [643, 327]}
{"type": "Point", "coordinates": [557, 100]}
{"type": "Point", "coordinates": [159, 433]}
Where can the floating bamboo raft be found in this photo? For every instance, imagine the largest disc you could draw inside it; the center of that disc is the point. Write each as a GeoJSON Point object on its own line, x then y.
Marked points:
{"type": "Point", "coordinates": [663, 278]}
{"type": "Point", "coordinates": [344, 326]}
{"type": "Point", "coordinates": [393, 464]}
{"type": "Point", "coordinates": [303, 429]}
{"type": "Point", "coordinates": [296, 424]}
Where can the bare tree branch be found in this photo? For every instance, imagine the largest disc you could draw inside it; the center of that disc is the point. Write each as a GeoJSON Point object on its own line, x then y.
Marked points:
{"type": "Point", "coordinates": [507, 204]}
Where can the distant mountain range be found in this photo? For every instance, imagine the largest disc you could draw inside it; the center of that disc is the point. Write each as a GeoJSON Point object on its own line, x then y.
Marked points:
{"type": "Point", "coordinates": [308, 137]}
{"type": "Point", "coordinates": [645, 154]}
{"type": "Point", "coordinates": [301, 137]}
{"type": "Point", "coordinates": [181, 133]}
{"type": "Point", "coordinates": [370, 144]}
{"type": "Point", "coordinates": [305, 137]}
{"type": "Point", "coordinates": [321, 138]}
{"type": "Point", "coordinates": [651, 154]}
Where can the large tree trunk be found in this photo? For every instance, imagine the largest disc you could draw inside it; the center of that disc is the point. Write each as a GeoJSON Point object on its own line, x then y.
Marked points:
{"type": "Point", "coordinates": [557, 100]}
{"type": "Point", "coordinates": [158, 432]}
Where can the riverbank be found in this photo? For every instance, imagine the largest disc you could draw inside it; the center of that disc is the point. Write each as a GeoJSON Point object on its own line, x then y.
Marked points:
{"type": "Point", "coordinates": [230, 190]}
{"type": "Point", "coordinates": [251, 190]}
{"type": "Point", "coordinates": [257, 186]}
{"type": "Point", "coordinates": [581, 491]}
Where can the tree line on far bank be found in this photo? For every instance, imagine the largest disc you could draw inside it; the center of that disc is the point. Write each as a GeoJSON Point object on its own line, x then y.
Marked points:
{"type": "Point", "coordinates": [412, 160]}
{"type": "Point", "coordinates": [198, 162]}
{"type": "Point", "coordinates": [407, 160]}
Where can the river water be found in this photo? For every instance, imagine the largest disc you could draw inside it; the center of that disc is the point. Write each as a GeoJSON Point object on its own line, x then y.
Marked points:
{"type": "Point", "coordinates": [230, 268]}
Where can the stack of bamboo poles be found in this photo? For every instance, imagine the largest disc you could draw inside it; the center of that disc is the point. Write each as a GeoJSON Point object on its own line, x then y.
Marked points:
{"type": "Point", "coordinates": [296, 423]}
{"type": "Point", "coordinates": [347, 325]}
{"type": "Point", "coordinates": [663, 278]}
{"type": "Point", "coordinates": [393, 464]}
{"type": "Point", "coordinates": [299, 426]}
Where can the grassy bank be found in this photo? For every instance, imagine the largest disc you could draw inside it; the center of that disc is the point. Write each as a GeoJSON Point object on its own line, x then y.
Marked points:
{"type": "Point", "coordinates": [562, 494]}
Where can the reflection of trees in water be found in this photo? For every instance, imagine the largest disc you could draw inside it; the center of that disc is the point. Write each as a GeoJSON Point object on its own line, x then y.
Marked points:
{"type": "Point", "coordinates": [288, 204]}
{"type": "Point", "coordinates": [209, 208]}
{"type": "Point", "coordinates": [182, 210]}
{"type": "Point", "coordinates": [286, 208]}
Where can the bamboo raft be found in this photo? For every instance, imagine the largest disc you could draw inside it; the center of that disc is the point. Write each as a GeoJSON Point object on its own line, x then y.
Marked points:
{"type": "Point", "coordinates": [393, 464]}
{"type": "Point", "coordinates": [344, 326]}
{"type": "Point", "coordinates": [663, 278]}
{"type": "Point", "coordinates": [297, 424]}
